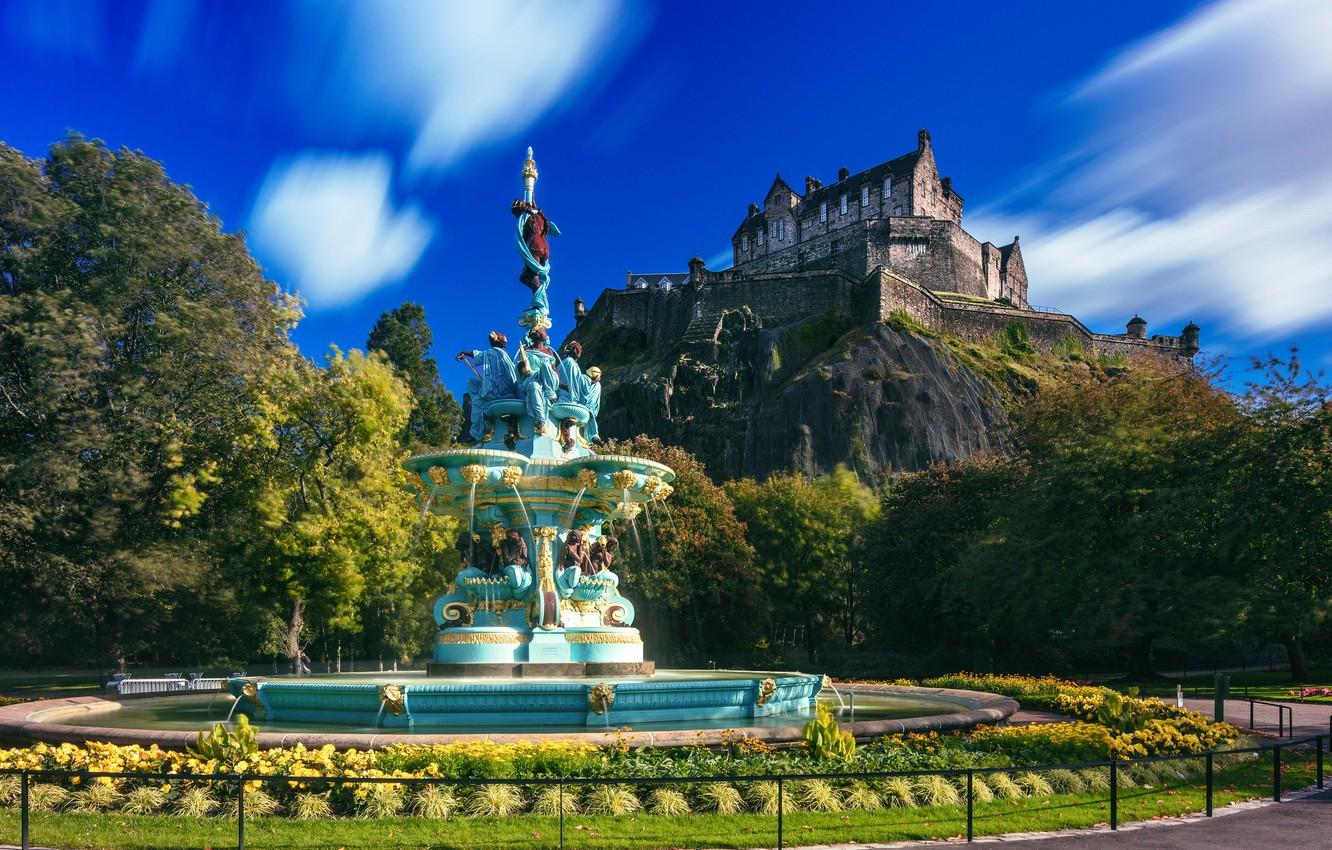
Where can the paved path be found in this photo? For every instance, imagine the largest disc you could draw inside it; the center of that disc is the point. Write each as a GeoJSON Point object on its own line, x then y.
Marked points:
{"type": "Point", "coordinates": [1309, 718]}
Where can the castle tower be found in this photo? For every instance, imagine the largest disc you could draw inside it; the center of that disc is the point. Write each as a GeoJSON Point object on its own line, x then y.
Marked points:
{"type": "Point", "coordinates": [1137, 327]}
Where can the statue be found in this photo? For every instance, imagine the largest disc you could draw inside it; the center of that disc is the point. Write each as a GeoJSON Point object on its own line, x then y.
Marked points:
{"type": "Point", "coordinates": [540, 381]}
{"type": "Point", "coordinates": [592, 401]}
{"type": "Point", "coordinates": [603, 553]}
{"type": "Point", "coordinates": [513, 549]}
{"type": "Point", "coordinates": [575, 555]}
{"type": "Point", "coordinates": [573, 388]}
{"type": "Point", "coordinates": [533, 228]}
{"type": "Point", "coordinates": [475, 554]}
{"type": "Point", "coordinates": [496, 379]}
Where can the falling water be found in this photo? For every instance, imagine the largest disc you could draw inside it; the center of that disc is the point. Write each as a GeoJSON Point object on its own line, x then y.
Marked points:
{"type": "Point", "coordinates": [638, 542]}
{"type": "Point", "coordinates": [427, 505]}
{"type": "Point", "coordinates": [527, 519]}
{"type": "Point", "coordinates": [471, 524]}
{"type": "Point", "coordinates": [841, 702]}
{"type": "Point", "coordinates": [574, 510]}
{"type": "Point", "coordinates": [234, 705]}
{"type": "Point", "coordinates": [379, 718]}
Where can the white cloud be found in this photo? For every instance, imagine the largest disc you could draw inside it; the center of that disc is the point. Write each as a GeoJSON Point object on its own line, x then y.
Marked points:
{"type": "Point", "coordinates": [459, 75]}
{"type": "Point", "coordinates": [327, 221]}
{"type": "Point", "coordinates": [1202, 185]}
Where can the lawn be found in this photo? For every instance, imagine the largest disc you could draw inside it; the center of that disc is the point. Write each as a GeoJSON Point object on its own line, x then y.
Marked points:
{"type": "Point", "coordinates": [1258, 684]}
{"type": "Point", "coordinates": [644, 832]}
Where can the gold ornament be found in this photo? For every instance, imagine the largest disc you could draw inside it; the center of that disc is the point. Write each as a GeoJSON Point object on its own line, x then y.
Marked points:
{"type": "Point", "coordinates": [600, 697]}
{"type": "Point", "coordinates": [458, 612]}
{"type": "Point", "coordinates": [250, 691]}
{"type": "Point", "coordinates": [455, 636]}
{"type": "Point", "coordinates": [511, 476]}
{"type": "Point", "coordinates": [767, 688]}
{"type": "Point", "coordinates": [393, 699]}
{"type": "Point", "coordinates": [545, 561]}
{"type": "Point", "coordinates": [625, 478]}
{"type": "Point", "coordinates": [665, 492]}
{"type": "Point", "coordinates": [438, 475]}
{"type": "Point", "coordinates": [827, 682]}
{"type": "Point", "coordinates": [473, 473]}
{"type": "Point", "coordinates": [587, 477]}
{"type": "Point", "coordinates": [652, 485]}
{"type": "Point", "coordinates": [603, 637]}
{"type": "Point", "coordinates": [630, 510]}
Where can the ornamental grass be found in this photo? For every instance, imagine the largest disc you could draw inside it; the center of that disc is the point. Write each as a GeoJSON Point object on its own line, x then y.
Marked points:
{"type": "Point", "coordinates": [495, 801]}
{"type": "Point", "coordinates": [897, 793]}
{"type": "Point", "coordinates": [719, 797]}
{"type": "Point", "coordinates": [550, 799]}
{"type": "Point", "coordinates": [311, 806]}
{"type": "Point", "coordinates": [862, 797]}
{"type": "Point", "coordinates": [670, 802]}
{"type": "Point", "coordinates": [97, 797]}
{"type": "Point", "coordinates": [936, 791]}
{"type": "Point", "coordinates": [611, 800]}
{"type": "Point", "coordinates": [144, 800]}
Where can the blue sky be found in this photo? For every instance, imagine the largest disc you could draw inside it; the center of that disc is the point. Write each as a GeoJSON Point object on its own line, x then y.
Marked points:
{"type": "Point", "coordinates": [1168, 158]}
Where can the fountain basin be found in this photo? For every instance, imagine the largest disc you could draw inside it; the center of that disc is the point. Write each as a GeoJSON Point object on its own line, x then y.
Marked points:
{"type": "Point", "coordinates": [174, 721]}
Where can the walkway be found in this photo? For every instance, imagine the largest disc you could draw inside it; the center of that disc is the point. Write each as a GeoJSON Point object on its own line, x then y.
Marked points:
{"type": "Point", "coordinates": [1309, 718]}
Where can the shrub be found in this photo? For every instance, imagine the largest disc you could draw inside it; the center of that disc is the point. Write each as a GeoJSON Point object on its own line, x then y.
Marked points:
{"type": "Point", "coordinates": [1095, 778]}
{"type": "Point", "coordinates": [897, 793]}
{"type": "Point", "coordinates": [863, 797]}
{"type": "Point", "coordinates": [311, 807]}
{"type": "Point", "coordinates": [97, 797]}
{"type": "Point", "coordinates": [144, 800]}
{"type": "Point", "coordinates": [195, 802]}
{"type": "Point", "coordinates": [258, 803]}
{"type": "Point", "coordinates": [1004, 787]}
{"type": "Point", "coordinates": [498, 801]}
{"type": "Point", "coordinates": [719, 797]}
{"type": "Point", "coordinates": [1045, 744]}
{"type": "Point", "coordinates": [43, 797]}
{"type": "Point", "coordinates": [380, 800]}
{"type": "Point", "coordinates": [668, 801]}
{"type": "Point", "coordinates": [611, 800]}
{"type": "Point", "coordinates": [550, 799]}
{"type": "Point", "coordinates": [1065, 781]}
{"type": "Point", "coordinates": [937, 791]}
{"type": "Point", "coordinates": [818, 796]}
{"type": "Point", "coordinates": [825, 741]}
{"type": "Point", "coordinates": [1034, 784]}
{"type": "Point", "coordinates": [228, 747]}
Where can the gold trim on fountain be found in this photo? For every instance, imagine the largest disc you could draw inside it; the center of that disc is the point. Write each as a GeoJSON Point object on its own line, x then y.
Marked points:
{"type": "Point", "coordinates": [457, 636]}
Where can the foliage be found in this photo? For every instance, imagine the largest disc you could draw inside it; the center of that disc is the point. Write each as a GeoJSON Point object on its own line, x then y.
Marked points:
{"type": "Point", "coordinates": [228, 747]}
{"type": "Point", "coordinates": [695, 575]}
{"type": "Point", "coordinates": [1046, 743]}
{"type": "Point", "coordinates": [806, 534]}
{"type": "Point", "coordinates": [825, 740]}
{"type": "Point", "coordinates": [405, 338]}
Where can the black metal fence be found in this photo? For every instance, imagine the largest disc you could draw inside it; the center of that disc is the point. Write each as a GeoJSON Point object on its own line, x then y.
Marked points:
{"type": "Point", "coordinates": [967, 777]}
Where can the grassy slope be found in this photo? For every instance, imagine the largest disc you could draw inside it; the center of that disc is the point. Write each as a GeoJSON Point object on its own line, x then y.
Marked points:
{"type": "Point", "coordinates": [642, 832]}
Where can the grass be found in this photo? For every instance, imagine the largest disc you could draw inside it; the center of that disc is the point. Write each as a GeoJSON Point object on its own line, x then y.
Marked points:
{"type": "Point", "coordinates": [649, 832]}
{"type": "Point", "coordinates": [1260, 684]}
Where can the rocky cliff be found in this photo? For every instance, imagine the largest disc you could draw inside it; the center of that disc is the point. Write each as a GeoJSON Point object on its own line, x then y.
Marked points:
{"type": "Point", "coordinates": [750, 400]}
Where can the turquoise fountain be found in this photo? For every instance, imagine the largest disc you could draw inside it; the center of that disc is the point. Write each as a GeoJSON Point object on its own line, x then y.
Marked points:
{"type": "Point", "coordinates": [533, 631]}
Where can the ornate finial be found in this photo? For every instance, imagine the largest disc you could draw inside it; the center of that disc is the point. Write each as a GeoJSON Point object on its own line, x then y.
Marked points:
{"type": "Point", "coordinates": [473, 473]}
{"type": "Point", "coordinates": [529, 178]}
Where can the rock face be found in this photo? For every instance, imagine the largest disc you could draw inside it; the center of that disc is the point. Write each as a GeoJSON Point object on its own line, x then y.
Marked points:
{"type": "Point", "coordinates": [805, 397]}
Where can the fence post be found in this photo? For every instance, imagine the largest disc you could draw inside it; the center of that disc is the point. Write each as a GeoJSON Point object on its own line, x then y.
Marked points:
{"type": "Point", "coordinates": [781, 805]}
{"type": "Point", "coordinates": [1276, 773]}
{"type": "Point", "coordinates": [1114, 795]}
{"type": "Point", "coordinates": [970, 822]}
{"type": "Point", "coordinates": [23, 809]}
{"type": "Point", "coordinates": [1209, 784]}
{"type": "Point", "coordinates": [1251, 726]}
{"type": "Point", "coordinates": [1319, 760]}
{"type": "Point", "coordinates": [240, 815]}
{"type": "Point", "coordinates": [561, 786]}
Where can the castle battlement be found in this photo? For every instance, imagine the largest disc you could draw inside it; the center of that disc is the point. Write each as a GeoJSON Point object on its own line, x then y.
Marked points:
{"type": "Point", "coordinates": [859, 248]}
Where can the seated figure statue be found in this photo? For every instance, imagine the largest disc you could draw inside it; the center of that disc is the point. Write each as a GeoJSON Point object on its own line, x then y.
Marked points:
{"type": "Point", "coordinates": [496, 570]}
{"type": "Point", "coordinates": [584, 571]}
{"type": "Point", "coordinates": [496, 379]}
{"type": "Point", "coordinates": [538, 380]}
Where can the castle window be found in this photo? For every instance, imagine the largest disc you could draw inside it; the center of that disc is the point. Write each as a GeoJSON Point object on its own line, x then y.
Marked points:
{"type": "Point", "coordinates": [887, 188]}
{"type": "Point", "coordinates": [897, 210]}
{"type": "Point", "coordinates": [744, 242]}
{"type": "Point", "coordinates": [759, 233]}
{"type": "Point", "coordinates": [843, 203]}
{"type": "Point", "coordinates": [864, 195]}
{"type": "Point", "coordinates": [781, 229]}
{"type": "Point", "coordinates": [823, 210]}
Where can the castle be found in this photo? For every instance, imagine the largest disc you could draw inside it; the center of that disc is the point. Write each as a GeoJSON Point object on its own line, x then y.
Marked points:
{"type": "Point", "coordinates": [884, 240]}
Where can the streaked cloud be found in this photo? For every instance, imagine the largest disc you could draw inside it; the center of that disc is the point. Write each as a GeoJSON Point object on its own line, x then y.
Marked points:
{"type": "Point", "coordinates": [1201, 184]}
{"type": "Point", "coordinates": [456, 75]}
{"type": "Point", "coordinates": [66, 27]}
{"type": "Point", "coordinates": [165, 34]}
{"type": "Point", "coordinates": [327, 222]}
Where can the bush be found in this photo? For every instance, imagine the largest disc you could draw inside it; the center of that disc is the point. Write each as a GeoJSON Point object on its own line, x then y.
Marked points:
{"type": "Point", "coordinates": [1047, 743]}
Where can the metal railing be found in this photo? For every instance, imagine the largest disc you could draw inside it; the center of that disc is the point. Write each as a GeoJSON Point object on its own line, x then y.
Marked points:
{"type": "Point", "coordinates": [239, 781]}
{"type": "Point", "coordinates": [1283, 711]}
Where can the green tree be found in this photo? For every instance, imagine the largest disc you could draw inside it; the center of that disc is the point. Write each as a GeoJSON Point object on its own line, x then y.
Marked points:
{"type": "Point", "coordinates": [405, 338]}
{"type": "Point", "coordinates": [805, 532]}
{"type": "Point", "coordinates": [321, 531]}
{"type": "Point", "coordinates": [131, 327]}
{"type": "Point", "coordinates": [688, 561]}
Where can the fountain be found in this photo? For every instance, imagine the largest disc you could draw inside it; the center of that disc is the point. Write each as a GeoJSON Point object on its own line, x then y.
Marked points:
{"type": "Point", "coordinates": [534, 634]}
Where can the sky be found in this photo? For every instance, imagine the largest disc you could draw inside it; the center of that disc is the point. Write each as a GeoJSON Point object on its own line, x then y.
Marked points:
{"type": "Point", "coordinates": [1163, 158]}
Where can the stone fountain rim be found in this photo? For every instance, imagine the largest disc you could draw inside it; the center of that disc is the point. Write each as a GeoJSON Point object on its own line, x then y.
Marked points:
{"type": "Point", "coordinates": [977, 707]}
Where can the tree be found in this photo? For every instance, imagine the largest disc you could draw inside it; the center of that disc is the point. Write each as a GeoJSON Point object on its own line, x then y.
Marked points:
{"type": "Point", "coordinates": [405, 338]}
{"type": "Point", "coordinates": [692, 567]}
{"type": "Point", "coordinates": [131, 327]}
{"type": "Point", "coordinates": [321, 529]}
{"type": "Point", "coordinates": [805, 533]}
